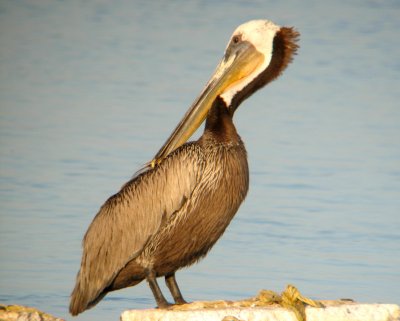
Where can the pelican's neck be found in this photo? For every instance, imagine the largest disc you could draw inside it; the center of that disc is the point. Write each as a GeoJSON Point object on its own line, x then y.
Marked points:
{"type": "Point", "coordinates": [219, 126]}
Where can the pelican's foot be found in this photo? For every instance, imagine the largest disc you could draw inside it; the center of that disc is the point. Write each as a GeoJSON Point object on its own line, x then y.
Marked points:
{"type": "Point", "coordinates": [165, 305]}
{"type": "Point", "coordinates": [180, 301]}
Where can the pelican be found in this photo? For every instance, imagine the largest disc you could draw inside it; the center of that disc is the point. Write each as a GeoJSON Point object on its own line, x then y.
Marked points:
{"type": "Point", "coordinates": [171, 213]}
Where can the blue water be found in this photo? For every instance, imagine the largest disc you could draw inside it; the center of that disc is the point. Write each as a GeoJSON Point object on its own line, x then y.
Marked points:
{"type": "Point", "coordinates": [89, 92]}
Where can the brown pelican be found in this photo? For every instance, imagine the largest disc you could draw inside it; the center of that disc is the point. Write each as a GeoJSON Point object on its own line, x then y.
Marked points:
{"type": "Point", "coordinates": [172, 213]}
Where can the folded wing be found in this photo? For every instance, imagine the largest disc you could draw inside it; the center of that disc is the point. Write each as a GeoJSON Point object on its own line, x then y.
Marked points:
{"type": "Point", "coordinates": [128, 219]}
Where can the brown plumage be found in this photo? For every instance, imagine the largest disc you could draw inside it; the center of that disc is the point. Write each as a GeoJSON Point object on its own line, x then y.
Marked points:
{"type": "Point", "coordinates": [171, 215]}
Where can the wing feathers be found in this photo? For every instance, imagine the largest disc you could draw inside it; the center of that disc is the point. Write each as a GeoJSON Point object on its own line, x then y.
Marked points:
{"type": "Point", "coordinates": [128, 219]}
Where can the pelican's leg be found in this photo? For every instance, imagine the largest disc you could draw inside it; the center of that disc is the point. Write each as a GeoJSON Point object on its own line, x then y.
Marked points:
{"type": "Point", "coordinates": [160, 299]}
{"type": "Point", "coordinates": [173, 287]}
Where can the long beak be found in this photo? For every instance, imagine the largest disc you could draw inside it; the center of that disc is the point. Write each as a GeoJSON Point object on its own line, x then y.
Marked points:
{"type": "Point", "coordinates": [236, 65]}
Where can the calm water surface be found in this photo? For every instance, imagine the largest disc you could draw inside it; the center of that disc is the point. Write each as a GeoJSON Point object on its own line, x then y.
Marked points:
{"type": "Point", "coordinates": [89, 91]}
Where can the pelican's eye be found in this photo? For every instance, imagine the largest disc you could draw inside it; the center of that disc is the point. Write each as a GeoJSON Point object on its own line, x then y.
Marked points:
{"type": "Point", "coordinates": [236, 39]}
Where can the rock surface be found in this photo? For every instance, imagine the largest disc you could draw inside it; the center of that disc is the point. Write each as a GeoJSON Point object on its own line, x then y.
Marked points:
{"type": "Point", "coordinates": [332, 311]}
{"type": "Point", "coordinates": [23, 313]}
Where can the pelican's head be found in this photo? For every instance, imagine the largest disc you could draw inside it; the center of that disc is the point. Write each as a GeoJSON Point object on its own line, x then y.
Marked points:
{"type": "Point", "coordinates": [257, 52]}
{"type": "Point", "coordinates": [261, 50]}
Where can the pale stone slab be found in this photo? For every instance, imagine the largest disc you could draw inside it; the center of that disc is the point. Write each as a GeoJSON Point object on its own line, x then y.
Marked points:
{"type": "Point", "coordinates": [355, 312]}
{"type": "Point", "coordinates": [332, 312]}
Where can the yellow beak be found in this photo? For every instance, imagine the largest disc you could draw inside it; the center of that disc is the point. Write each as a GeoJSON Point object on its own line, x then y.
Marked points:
{"type": "Point", "coordinates": [237, 64]}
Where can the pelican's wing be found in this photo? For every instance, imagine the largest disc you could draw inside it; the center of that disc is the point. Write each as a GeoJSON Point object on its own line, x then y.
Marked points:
{"type": "Point", "coordinates": [130, 218]}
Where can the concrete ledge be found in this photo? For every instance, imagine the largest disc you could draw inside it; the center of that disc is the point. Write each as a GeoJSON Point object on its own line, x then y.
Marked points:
{"type": "Point", "coordinates": [333, 311]}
